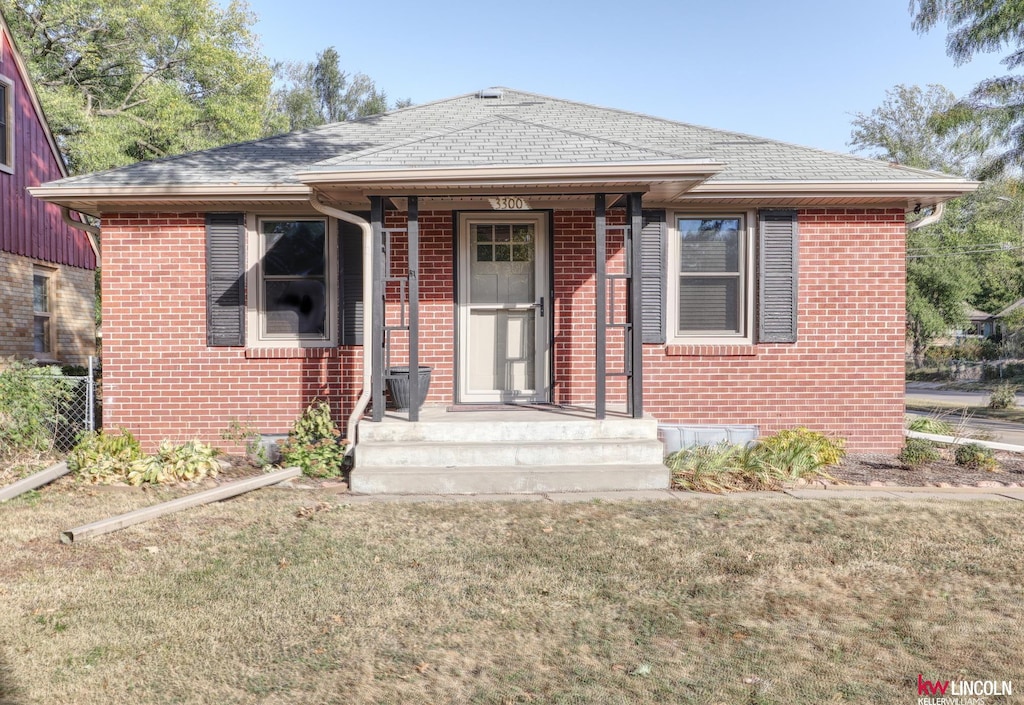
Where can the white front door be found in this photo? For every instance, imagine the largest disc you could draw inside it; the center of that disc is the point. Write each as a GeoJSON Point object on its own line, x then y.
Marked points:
{"type": "Point", "coordinates": [503, 307]}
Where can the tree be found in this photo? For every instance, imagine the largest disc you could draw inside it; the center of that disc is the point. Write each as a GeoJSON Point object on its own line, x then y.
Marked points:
{"type": "Point", "coordinates": [901, 130]}
{"type": "Point", "coordinates": [319, 92]}
{"type": "Point", "coordinates": [128, 80]}
{"type": "Point", "coordinates": [997, 104]}
{"type": "Point", "coordinates": [973, 255]}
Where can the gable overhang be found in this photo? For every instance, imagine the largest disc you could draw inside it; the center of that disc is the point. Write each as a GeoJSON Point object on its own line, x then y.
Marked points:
{"type": "Point", "coordinates": [660, 180]}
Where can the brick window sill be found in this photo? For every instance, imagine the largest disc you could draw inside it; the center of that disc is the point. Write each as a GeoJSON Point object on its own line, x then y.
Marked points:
{"type": "Point", "coordinates": [291, 353]}
{"type": "Point", "coordinates": [711, 351]}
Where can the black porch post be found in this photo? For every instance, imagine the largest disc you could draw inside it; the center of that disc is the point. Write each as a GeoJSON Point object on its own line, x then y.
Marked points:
{"type": "Point", "coordinates": [413, 229]}
{"type": "Point", "coordinates": [636, 310]}
{"type": "Point", "coordinates": [600, 304]}
{"type": "Point", "coordinates": [377, 381]}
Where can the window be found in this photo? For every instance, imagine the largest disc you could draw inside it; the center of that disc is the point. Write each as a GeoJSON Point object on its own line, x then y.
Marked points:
{"type": "Point", "coordinates": [6, 125]}
{"type": "Point", "coordinates": [292, 300]}
{"type": "Point", "coordinates": [710, 283]}
{"type": "Point", "coordinates": [43, 325]}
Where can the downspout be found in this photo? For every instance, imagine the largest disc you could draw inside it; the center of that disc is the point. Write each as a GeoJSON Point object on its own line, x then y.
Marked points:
{"type": "Point", "coordinates": [935, 217]}
{"type": "Point", "coordinates": [364, 396]}
{"type": "Point", "coordinates": [91, 230]}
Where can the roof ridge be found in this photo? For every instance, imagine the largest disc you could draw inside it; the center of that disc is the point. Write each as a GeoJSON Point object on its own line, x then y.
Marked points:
{"type": "Point", "coordinates": [576, 133]}
{"type": "Point", "coordinates": [733, 133]}
{"type": "Point", "coordinates": [428, 135]}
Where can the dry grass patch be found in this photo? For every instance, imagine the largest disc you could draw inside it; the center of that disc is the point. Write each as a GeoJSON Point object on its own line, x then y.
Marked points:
{"type": "Point", "coordinates": [286, 597]}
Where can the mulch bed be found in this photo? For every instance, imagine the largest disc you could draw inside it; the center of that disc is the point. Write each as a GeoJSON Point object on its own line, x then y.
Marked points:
{"type": "Point", "coordinates": [867, 468]}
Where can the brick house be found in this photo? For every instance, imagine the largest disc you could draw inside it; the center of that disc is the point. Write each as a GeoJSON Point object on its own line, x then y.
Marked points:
{"type": "Point", "coordinates": [578, 276]}
{"type": "Point", "coordinates": [46, 265]}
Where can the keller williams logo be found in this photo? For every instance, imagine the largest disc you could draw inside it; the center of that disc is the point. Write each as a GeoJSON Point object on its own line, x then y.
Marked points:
{"type": "Point", "coordinates": [976, 690]}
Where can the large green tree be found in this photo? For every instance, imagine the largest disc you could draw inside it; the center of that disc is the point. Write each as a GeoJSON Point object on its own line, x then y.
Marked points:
{"type": "Point", "coordinates": [319, 92]}
{"type": "Point", "coordinates": [997, 104]}
{"type": "Point", "coordinates": [127, 80]}
{"type": "Point", "coordinates": [970, 258]}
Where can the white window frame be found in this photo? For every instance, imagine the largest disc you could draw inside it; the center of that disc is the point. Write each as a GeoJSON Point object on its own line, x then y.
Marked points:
{"type": "Point", "coordinates": [50, 314]}
{"type": "Point", "coordinates": [255, 337]}
{"type": "Point", "coordinates": [8, 166]}
{"type": "Point", "coordinates": [748, 283]}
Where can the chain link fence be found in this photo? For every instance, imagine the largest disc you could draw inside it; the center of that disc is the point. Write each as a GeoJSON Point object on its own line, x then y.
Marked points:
{"type": "Point", "coordinates": [44, 409]}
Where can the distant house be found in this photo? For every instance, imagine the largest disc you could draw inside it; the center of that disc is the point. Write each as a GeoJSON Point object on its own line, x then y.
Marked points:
{"type": "Point", "coordinates": [573, 275]}
{"type": "Point", "coordinates": [981, 323]}
{"type": "Point", "coordinates": [47, 289]}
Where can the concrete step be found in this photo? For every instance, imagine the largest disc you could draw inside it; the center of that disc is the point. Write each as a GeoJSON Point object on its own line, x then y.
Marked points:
{"type": "Point", "coordinates": [478, 428]}
{"type": "Point", "coordinates": [612, 451]}
{"type": "Point", "coordinates": [510, 480]}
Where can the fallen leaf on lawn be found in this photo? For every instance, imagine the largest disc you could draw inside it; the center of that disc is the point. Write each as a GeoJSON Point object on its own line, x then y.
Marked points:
{"type": "Point", "coordinates": [283, 563]}
{"type": "Point", "coordinates": [643, 669]}
{"type": "Point", "coordinates": [422, 668]}
{"type": "Point", "coordinates": [153, 549]}
{"type": "Point", "coordinates": [337, 619]}
{"type": "Point", "coordinates": [547, 529]}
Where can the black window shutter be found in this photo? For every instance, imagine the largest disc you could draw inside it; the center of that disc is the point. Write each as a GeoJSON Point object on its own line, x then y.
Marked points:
{"type": "Point", "coordinates": [652, 275]}
{"type": "Point", "coordinates": [777, 280]}
{"type": "Point", "coordinates": [350, 253]}
{"type": "Point", "coordinates": [225, 279]}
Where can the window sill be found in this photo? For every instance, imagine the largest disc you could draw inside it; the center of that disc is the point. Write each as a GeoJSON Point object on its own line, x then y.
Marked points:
{"type": "Point", "coordinates": [291, 353]}
{"type": "Point", "coordinates": [734, 350]}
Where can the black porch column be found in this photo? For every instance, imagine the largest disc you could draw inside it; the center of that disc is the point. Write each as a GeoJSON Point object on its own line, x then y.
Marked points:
{"type": "Point", "coordinates": [378, 270]}
{"type": "Point", "coordinates": [600, 306]}
{"type": "Point", "coordinates": [635, 353]}
{"type": "Point", "coordinates": [413, 229]}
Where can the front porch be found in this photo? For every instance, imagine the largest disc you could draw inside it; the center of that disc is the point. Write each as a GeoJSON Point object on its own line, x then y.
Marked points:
{"type": "Point", "coordinates": [519, 450]}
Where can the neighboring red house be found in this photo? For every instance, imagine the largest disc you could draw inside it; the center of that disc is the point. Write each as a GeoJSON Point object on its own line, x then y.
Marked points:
{"type": "Point", "coordinates": [47, 283]}
{"type": "Point", "coordinates": [745, 283]}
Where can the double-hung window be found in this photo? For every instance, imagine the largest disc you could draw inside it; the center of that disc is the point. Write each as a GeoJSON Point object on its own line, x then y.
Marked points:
{"type": "Point", "coordinates": [43, 324]}
{"type": "Point", "coordinates": [293, 288]}
{"type": "Point", "coordinates": [711, 278]}
{"type": "Point", "coordinates": [6, 125]}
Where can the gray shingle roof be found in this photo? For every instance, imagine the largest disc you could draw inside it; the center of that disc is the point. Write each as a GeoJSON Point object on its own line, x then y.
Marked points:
{"type": "Point", "coordinates": [517, 128]}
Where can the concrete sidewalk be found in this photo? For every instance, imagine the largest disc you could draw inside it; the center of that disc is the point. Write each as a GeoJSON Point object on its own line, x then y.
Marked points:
{"type": "Point", "coordinates": [1008, 494]}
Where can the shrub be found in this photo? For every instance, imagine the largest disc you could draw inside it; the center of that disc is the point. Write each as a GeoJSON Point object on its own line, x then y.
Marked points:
{"type": "Point", "coordinates": [255, 451]}
{"type": "Point", "coordinates": [1004, 396]}
{"type": "Point", "coordinates": [976, 457]}
{"type": "Point", "coordinates": [30, 401]}
{"type": "Point", "coordinates": [917, 452]}
{"type": "Point", "coordinates": [800, 447]}
{"type": "Point", "coordinates": [189, 462]}
{"type": "Point", "coordinates": [785, 456]}
{"type": "Point", "coordinates": [103, 458]}
{"type": "Point", "coordinates": [314, 443]}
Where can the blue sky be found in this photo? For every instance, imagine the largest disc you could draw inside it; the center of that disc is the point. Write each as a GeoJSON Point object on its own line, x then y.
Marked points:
{"type": "Point", "coordinates": [795, 70]}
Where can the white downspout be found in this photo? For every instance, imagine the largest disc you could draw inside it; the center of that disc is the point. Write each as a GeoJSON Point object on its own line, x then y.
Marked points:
{"type": "Point", "coordinates": [91, 230]}
{"type": "Point", "coordinates": [364, 396]}
{"type": "Point", "coordinates": [935, 217]}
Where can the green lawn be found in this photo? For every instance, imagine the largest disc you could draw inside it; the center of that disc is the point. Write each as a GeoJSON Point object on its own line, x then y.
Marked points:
{"type": "Point", "coordinates": [294, 597]}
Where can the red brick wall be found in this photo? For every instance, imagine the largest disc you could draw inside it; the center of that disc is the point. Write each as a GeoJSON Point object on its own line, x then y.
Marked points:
{"type": "Point", "coordinates": [845, 375]}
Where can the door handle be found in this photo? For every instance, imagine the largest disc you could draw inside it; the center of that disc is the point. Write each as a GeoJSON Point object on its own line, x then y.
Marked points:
{"type": "Point", "coordinates": [540, 306]}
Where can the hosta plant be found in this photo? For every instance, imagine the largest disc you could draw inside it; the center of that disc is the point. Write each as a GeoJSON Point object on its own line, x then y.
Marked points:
{"type": "Point", "coordinates": [102, 457]}
{"type": "Point", "coordinates": [315, 443]}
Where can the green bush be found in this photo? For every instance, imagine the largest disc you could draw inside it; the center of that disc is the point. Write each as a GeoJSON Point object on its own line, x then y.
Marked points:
{"type": "Point", "coordinates": [714, 468]}
{"type": "Point", "coordinates": [30, 400]}
{"type": "Point", "coordinates": [103, 458]}
{"type": "Point", "coordinates": [314, 443]}
{"type": "Point", "coordinates": [976, 457]}
{"type": "Point", "coordinates": [796, 448]}
{"type": "Point", "coordinates": [782, 457]}
{"type": "Point", "coordinates": [917, 452]}
{"type": "Point", "coordinates": [1004, 396]}
{"type": "Point", "coordinates": [189, 462]}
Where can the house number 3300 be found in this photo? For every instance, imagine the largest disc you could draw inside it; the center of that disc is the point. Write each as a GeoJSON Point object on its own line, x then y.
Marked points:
{"type": "Point", "coordinates": [509, 203]}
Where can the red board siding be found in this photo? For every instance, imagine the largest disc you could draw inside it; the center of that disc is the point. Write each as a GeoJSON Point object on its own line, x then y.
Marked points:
{"type": "Point", "coordinates": [28, 226]}
{"type": "Point", "coordinates": [844, 375]}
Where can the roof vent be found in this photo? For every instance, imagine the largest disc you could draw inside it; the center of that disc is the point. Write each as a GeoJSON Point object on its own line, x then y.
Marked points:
{"type": "Point", "coordinates": [492, 93]}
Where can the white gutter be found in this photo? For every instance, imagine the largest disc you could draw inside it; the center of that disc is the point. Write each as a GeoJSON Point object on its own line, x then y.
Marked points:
{"type": "Point", "coordinates": [364, 396]}
{"type": "Point", "coordinates": [935, 217]}
{"type": "Point", "coordinates": [91, 230]}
